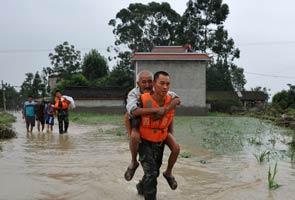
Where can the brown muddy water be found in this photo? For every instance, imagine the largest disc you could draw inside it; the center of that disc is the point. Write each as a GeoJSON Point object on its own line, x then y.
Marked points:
{"type": "Point", "coordinates": [88, 163]}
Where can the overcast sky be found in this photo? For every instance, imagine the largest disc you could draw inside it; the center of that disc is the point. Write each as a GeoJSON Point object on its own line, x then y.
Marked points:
{"type": "Point", "coordinates": [30, 29]}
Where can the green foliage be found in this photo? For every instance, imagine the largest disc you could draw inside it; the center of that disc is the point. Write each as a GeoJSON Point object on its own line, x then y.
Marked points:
{"type": "Point", "coordinates": [272, 185]}
{"type": "Point", "coordinates": [281, 99]}
{"type": "Point", "coordinates": [6, 131]}
{"type": "Point", "coordinates": [7, 119]}
{"type": "Point", "coordinates": [292, 155]}
{"type": "Point", "coordinates": [285, 99]}
{"type": "Point", "coordinates": [122, 75]}
{"type": "Point", "coordinates": [94, 65]}
{"type": "Point", "coordinates": [218, 78]}
{"type": "Point", "coordinates": [142, 27]}
{"type": "Point", "coordinates": [202, 25]}
{"type": "Point", "coordinates": [73, 80]}
{"type": "Point", "coordinates": [255, 140]}
{"type": "Point", "coordinates": [65, 61]}
{"type": "Point", "coordinates": [26, 87]}
{"type": "Point", "coordinates": [34, 85]}
{"type": "Point", "coordinates": [262, 156]}
{"type": "Point", "coordinates": [11, 96]}
{"type": "Point", "coordinates": [94, 119]}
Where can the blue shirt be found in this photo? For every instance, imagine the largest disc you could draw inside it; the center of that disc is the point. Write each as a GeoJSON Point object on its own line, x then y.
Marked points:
{"type": "Point", "coordinates": [29, 108]}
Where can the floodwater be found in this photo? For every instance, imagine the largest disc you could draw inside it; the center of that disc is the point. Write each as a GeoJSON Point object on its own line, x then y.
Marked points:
{"type": "Point", "coordinates": [87, 163]}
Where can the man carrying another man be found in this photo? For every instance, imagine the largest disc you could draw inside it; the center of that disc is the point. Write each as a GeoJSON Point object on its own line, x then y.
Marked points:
{"type": "Point", "coordinates": [156, 116]}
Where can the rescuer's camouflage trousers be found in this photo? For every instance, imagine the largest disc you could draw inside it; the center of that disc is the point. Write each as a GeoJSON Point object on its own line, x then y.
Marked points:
{"type": "Point", "coordinates": [150, 156]}
{"type": "Point", "coordinates": [63, 120]}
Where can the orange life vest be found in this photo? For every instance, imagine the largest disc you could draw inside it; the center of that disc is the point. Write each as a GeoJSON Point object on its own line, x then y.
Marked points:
{"type": "Point", "coordinates": [61, 104]}
{"type": "Point", "coordinates": [154, 130]}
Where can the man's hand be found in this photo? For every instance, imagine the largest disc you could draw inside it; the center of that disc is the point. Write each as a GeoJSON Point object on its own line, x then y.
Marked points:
{"type": "Point", "coordinates": [160, 112]}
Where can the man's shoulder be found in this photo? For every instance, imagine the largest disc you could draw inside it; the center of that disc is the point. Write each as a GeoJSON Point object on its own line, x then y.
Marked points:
{"type": "Point", "coordinates": [134, 92]}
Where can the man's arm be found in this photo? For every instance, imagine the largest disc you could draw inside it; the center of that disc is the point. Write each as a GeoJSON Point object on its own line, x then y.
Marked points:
{"type": "Point", "coordinates": [147, 111]}
{"type": "Point", "coordinates": [132, 100]}
{"type": "Point", "coordinates": [175, 102]}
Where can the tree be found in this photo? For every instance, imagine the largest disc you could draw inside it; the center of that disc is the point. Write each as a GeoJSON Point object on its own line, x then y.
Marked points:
{"type": "Point", "coordinates": [202, 24]}
{"type": "Point", "coordinates": [38, 87]}
{"type": "Point", "coordinates": [11, 96]}
{"type": "Point", "coordinates": [33, 86]}
{"type": "Point", "coordinates": [141, 26]}
{"type": "Point", "coordinates": [94, 65]}
{"type": "Point", "coordinates": [26, 87]}
{"type": "Point", "coordinates": [65, 61]}
{"type": "Point", "coordinates": [122, 75]}
{"type": "Point", "coordinates": [286, 98]}
{"type": "Point", "coordinates": [218, 77]}
{"type": "Point", "coordinates": [75, 80]}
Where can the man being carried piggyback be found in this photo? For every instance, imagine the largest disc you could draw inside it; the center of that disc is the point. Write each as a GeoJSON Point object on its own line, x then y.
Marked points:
{"type": "Point", "coordinates": [132, 120]}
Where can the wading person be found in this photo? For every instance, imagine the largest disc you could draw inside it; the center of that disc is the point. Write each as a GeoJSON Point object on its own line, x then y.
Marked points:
{"type": "Point", "coordinates": [49, 111]}
{"type": "Point", "coordinates": [144, 82]}
{"type": "Point", "coordinates": [40, 115]}
{"type": "Point", "coordinates": [61, 105]}
{"type": "Point", "coordinates": [153, 132]}
{"type": "Point", "coordinates": [28, 112]}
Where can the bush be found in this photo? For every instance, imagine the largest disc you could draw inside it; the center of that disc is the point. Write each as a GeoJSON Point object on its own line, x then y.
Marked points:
{"type": "Point", "coordinates": [5, 126]}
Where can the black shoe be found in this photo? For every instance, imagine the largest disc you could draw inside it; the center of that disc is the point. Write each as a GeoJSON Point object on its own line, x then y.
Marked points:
{"type": "Point", "coordinates": [61, 132]}
{"type": "Point", "coordinates": [139, 188]}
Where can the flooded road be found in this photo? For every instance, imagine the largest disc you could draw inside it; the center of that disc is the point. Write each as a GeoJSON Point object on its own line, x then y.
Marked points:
{"type": "Point", "coordinates": [87, 163]}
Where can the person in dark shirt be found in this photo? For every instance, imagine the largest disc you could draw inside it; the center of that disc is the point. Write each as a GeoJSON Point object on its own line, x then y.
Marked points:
{"type": "Point", "coordinates": [40, 115]}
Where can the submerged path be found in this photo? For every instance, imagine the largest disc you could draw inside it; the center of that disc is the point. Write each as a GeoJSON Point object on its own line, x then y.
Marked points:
{"type": "Point", "coordinates": [89, 164]}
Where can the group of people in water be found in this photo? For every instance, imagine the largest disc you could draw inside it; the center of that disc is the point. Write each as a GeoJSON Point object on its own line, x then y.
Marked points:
{"type": "Point", "coordinates": [148, 120]}
{"type": "Point", "coordinates": [44, 113]}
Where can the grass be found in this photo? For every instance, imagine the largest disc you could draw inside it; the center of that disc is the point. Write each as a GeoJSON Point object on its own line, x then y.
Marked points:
{"type": "Point", "coordinates": [272, 185]}
{"type": "Point", "coordinates": [292, 155]}
{"type": "Point", "coordinates": [6, 121]}
{"type": "Point", "coordinates": [262, 156]}
{"type": "Point", "coordinates": [218, 133]}
{"type": "Point", "coordinates": [97, 119]}
{"type": "Point", "coordinates": [255, 141]}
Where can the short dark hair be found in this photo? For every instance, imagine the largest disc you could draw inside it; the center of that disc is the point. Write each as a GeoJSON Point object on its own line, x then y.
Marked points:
{"type": "Point", "coordinates": [158, 73]}
{"type": "Point", "coordinates": [30, 96]}
{"type": "Point", "coordinates": [56, 91]}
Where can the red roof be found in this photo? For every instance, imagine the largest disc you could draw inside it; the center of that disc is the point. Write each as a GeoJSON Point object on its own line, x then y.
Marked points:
{"type": "Point", "coordinates": [174, 49]}
{"type": "Point", "coordinates": [169, 56]}
{"type": "Point", "coordinates": [169, 53]}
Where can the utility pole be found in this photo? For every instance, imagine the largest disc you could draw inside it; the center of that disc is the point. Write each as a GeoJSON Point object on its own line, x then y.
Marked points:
{"type": "Point", "coordinates": [4, 99]}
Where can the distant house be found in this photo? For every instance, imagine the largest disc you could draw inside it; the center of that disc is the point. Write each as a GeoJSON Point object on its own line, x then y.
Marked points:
{"type": "Point", "coordinates": [52, 80]}
{"type": "Point", "coordinates": [187, 71]}
{"type": "Point", "coordinates": [222, 101]}
{"type": "Point", "coordinates": [252, 99]}
{"type": "Point", "coordinates": [98, 100]}
{"type": "Point", "coordinates": [246, 99]}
